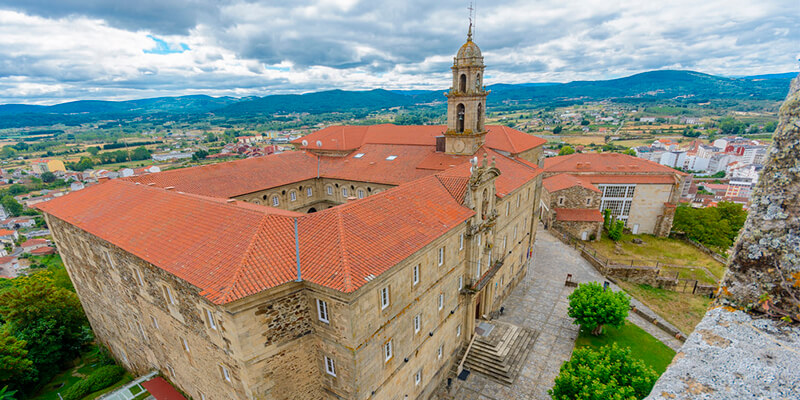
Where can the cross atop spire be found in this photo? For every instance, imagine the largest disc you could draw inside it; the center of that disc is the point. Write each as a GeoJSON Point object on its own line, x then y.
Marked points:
{"type": "Point", "coordinates": [471, 14]}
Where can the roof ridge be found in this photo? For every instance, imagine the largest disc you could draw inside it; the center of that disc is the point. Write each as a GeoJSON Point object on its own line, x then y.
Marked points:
{"type": "Point", "coordinates": [226, 294]}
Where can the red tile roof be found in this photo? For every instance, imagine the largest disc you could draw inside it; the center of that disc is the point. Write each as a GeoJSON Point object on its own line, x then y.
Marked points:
{"type": "Point", "coordinates": [34, 242]}
{"type": "Point", "coordinates": [162, 390]}
{"type": "Point", "coordinates": [629, 179]}
{"type": "Point", "coordinates": [43, 251]}
{"type": "Point", "coordinates": [6, 232]}
{"type": "Point", "coordinates": [563, 181]}
{"type": "Point", "coordinates": [606, 163]}
{"type": "Point", "coordinates": [352, 137]}
{"type": "Point", "coordinates": [230, 252]}
{"type": "Point", "coordinates": [578, 214]}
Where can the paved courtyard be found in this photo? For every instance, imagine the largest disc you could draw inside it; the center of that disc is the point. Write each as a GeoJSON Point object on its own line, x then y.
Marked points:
{"type": "Point", "coordinates": [540, 302]}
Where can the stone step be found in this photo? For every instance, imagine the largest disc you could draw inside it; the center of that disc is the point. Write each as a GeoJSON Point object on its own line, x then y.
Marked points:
{"type": "Point", "coordinates": [502, 359]}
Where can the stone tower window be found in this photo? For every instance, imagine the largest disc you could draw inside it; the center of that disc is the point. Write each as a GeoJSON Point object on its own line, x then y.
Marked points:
{"type": "Point", "coordinates": [480, 117]}
{"type": "Point", "coordinates": [462, 84]}
{"type": "Point", "coordinates": [460, 118]}
{"type": "Point", "coordinates": [330, 366]}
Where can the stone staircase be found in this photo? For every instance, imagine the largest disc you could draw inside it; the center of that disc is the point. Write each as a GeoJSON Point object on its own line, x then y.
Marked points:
{"type": "Point", "coordinates": [501, 355]}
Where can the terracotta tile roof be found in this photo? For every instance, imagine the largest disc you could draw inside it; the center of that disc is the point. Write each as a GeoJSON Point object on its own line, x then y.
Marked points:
{"type": "Point", "coordinates": [230, 252]}
{"type": "Point", "coordinates": [374, 165]}
{"type": "Point", "coordinates": [7, 259]}
{"type": "Point", "coordinates": [605, 163]}
{"type": "Point", "coordinates": [514, 172]}
{"type": "Point", "coordinates": [578, 214]}
{"type": "Point", "coordinates": [234, 178]}
{"type": "Point", "coordinates": [352, 137]}
{"type": "Point", "coordinates": [628, 179]}
{"type": "Point", "coordinates": [563, 181]}
{"type": "Point", "coordinates": [34, 242]}
{"type": "Point", "coordinates": [43, 251]}
{"type": "Point", "coordinates": [6, 232]}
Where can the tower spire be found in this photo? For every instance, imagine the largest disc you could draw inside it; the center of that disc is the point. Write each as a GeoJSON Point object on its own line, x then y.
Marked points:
{"type": "Point", "coordinates": [471, 11]}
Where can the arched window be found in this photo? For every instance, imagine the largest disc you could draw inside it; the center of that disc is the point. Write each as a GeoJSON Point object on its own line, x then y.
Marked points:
{"type": "Point", "coordinates": [485, 204]}
{"type": "Point", "coordinates": [478, 82]}
{"type": "Point", "coordinates": [460, 118]}
{"type": "Point", "coordinates": [462, 83]}
{"type": "Point", "coordinates": [293, 195]}
{"type": "Point", "coordinates": [480, 117]}
{"type": "Point", "coordinates": [275, 201]}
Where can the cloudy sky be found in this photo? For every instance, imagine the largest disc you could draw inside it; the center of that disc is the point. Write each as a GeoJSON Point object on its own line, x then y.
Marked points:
{"type": "Point", "coordinates": [59, 50]}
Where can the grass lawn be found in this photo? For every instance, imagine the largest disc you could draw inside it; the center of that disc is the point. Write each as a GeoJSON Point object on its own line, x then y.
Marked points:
{"type": "Point", "coordinates": [663, 250]}
{"type": "Point", "coordinates": [684, 310]}
{"type": "Point", "coordinates": [642, 345]}
{"type": "Point", "coordinates": [85, 365]}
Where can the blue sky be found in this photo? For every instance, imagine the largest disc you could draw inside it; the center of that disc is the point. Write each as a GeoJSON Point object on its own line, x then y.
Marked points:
{"type": "Point", "coordinates": [59, 50]}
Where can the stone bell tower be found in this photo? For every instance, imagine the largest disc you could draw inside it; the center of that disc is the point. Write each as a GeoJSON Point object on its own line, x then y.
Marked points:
{"type": "Point", "coordinates": [466, 101]}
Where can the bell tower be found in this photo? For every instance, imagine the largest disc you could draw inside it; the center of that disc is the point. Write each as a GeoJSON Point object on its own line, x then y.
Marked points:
{"type": "Point", "coordinates": [466, 101]}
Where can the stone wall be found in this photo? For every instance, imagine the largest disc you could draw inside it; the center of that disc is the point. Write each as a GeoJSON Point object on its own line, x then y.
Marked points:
{"type": "Point", "coordinates": [576, 228]}
{"type": "Point", "coordinates": [647, 209]}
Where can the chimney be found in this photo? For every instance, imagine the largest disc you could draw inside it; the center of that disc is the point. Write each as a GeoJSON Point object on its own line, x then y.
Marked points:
{"type": "Point", "coordinates": [440, 144]}
{"type": "Point", "coordinates": [352, 198]}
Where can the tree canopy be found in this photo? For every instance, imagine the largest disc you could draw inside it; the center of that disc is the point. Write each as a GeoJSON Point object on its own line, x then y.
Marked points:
{"type": "Point", "coordinates": [713, 226]}
{"type": "Point", "coordinates": [608, 373]}
{"type": "Point", "coordinates": [592, 307]}
{"type": "Point", "coordinates": [566, 150]}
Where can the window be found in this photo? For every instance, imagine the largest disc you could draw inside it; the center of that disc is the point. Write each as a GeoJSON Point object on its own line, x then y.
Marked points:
{"type": "Point", "coordinates": [515, 232]}
{"type": "Point", "coordinates": [330, 366]}
{"type": "Point", "coordinates": [461, 241]}
{"type": "Point", "coordinates": [329, 189]}
{"type": "Point", "coordinates": [360, 193]}
{"type": "Point", "coordinates": [528, 194]}
{"type": "Point", "coordinates": [415, 275]}
{"type": "Point", "coordinates": [387, 351]}
{"type": "Point", "coordinates": [441, 301]}
{"type": "Point", "coordinates": [141, 330]}
{"type": "Point", "coordinates": [168, 295]}
{"type": "Point", "coordinates": [519, 197]}
{"type": "Point", "coordinates": [418, 377]}
{"type": "Point", "coordinates": [479, 240]}
{"type": "Point", "coordinates": [561, 200]}
{"type": "Point", "coordinates": [202, 396]}
{"type": "Point", "coordinates": [155, 321]}
{"type": "Point", "coordinates": [293, 196]}
{"type": "Point", "coordinates": [309, 192]}
{"type": "Point", "coordinates": [478, 271]}
{"type": "Point", "coordinates": [588, 201]}
{"type": "Point", "coordinates": [391, 158]}
{"type": "Point", "coordinates": [505, 239]}
{"type": "Point", "coordinates": [210, 320]}
{"type": "Point", "coordinates": [171, 371]}
{"type": "Point", "coordinates": [417, 323]}
{"type": "Point", "coordinates": [508, 208]}
{"type": "Point", "coordinates": [225, 373]}
{"type": "Point", "coordinates": [359, 155]}
{"type": "Point", "coordinates": [185, 345]}
{"type": "Point", "coordinates": [384, 298]}
{"type": "Point", "coordinates": [440, 351]}
{"type": "Point", "coordinates": [108, 256]}
{"type": "Point", "coordinates": [344, 192]}
{"type": "Point", "coordinates": [460, 282]}
{"type": "Point", "coordinates": [139, 276]}
{"type": "Point", "coordinates": [441, 255]}
{"type": "Point", "coordinates": [322, 311]}
{"type": "Point", "coordinates": [275, 201]}
{"type": "Point", "coordinates": [458, 330]}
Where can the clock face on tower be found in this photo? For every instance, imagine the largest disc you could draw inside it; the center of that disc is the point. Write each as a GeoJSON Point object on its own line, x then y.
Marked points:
{"type": "Point", "coordinates": [458, 146]}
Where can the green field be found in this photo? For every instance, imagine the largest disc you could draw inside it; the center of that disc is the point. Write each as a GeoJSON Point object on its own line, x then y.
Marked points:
{"type": "Point", "coordinates": [642, 345]}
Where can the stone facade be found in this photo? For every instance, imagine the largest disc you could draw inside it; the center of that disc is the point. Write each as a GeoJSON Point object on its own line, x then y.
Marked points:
{"type": "Point", "coordinates": [572, 197]}
{"type": "Point", "coordinates": [324, 193]}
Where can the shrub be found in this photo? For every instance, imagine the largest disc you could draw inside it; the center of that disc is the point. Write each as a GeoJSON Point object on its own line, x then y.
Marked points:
{"type": "Point", "coordinates": [101, 378]}
{"type": "Point", "coordinates": [615, 233]}
{"type": "Point", "coordinates": [606, 373]}
{"type": "Point", "coordinates": [592, 307]}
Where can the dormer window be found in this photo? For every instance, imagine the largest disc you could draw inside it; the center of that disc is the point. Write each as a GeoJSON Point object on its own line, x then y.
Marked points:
{"type": "Point", "coordinates": [390, 158]}
{"type": "Point", "coordinates": [359, 155]}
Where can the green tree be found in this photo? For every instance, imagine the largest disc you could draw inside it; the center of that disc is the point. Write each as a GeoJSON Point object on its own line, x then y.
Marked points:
{"type": "Point", "coordinates": [585, 122]}
{"type": "Point", "coordinates": [11, 205]}
{"type": "Point", "coordinates": [14, 364]}
{"type": "Point", "coordinates": [770, 126]}
{"type": "Point", "coordinates": [630, 152]}
{"type": "Point", "coordinates": [615, 230]}
{"type": "Point", "coordinates": [557, 129]}
{"type": "Point", "coordinates": [93, 150]}
{"type": "Point", "coordinates": [566, 150]}
{"type": "Point", "coordinates": [48, 177]}
{"type": "Point", "coordinates": [49, 318]}
{"type": "Point", "coordinates": [199, 155]}
{"type": "Point", "coordinates": [731, 126]}
{"type": "Point", "coordinates": [713, 226]}
{"type": "Point", "coordinates": [140, 153]}
{"type": "Point", "coordinates": [608, 373]}
{"type": "Point", "coordinates": [592, 307]}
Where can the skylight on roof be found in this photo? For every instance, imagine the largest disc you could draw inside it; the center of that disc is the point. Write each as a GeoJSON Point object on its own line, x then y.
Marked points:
{"type": "Point", "coordinates": [390, 158]}
{"type": "Point", "coordinates": [359, 155]}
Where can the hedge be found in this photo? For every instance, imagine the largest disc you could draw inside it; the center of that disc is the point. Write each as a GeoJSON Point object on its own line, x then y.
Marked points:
{"type": "Point", "coordinates": [101, 378]}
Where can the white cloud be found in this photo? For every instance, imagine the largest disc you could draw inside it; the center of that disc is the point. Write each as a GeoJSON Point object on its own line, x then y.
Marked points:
{"type": "Point", "coordinates": [65, 50]}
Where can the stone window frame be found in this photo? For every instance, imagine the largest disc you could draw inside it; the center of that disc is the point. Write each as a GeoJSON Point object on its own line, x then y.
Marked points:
{"type": "Point", "coordinates": [276, 201]}
{"type": "Point", "coordinates": [344, 192]}
{"type": "Point", "coordinates": [329, 190]}
{"type": "Point", "coordinates": [440, 302]}
{"type": "Point", "coordinates": [330, 366]}
{"type": "Point", "coordinates": [461, 242]}
{"type": "Point", "coordinates": [588, 201]}
{"type": "Point", "coordinates": [515, 233]}
{"type": "Point", "coordinates": [108, 257]}
{"type": "Point", "coordinates": [561, 200]}
{"type": "Point", "coordinates": [441, 256]}
{"type": "Point", "coordinates": [458, 330]}
{"type": "Point", "coordinates": [417, 323]}
{"type": "Point", "coordinates": [185, 345]}
{"type": "Point", "coordinates": [388, 351]}
{"type": "Point", "coordinates": [361, 193]}
{"type": "Point", "coordinates": [309, 192]}
{"type": "Point", "coordinates": [171, 371]}
{"type": "Point", "coordinates": [138, 274]}
{"type": "Point", "coordinates": [519, 199]}
{"type": "Point", "coordinates": [226, 374]}
{"type": "Point", "coordinates": [385, 297]}
{"type": "Point", "coordinates": [322, 311]}
{"type": "Point", "coordinates": [528, 194]}
{"type": "Point", "coordinates": [292, 195]}
{"type": "Point", "coordinates": [508, 208]}
{"type": "Point", "coordinates": [154, 321]}
{"type": "Point", "coordinates": [210, 319]}
{"type": "Point", "coordinates": [202, 395]}
{"type": "Point", "coordinates": [505, 242]}
{"type": "Point", "coordinates": [141, 330]}
{"type": "Point", "coordinates": [440, 351]}
{"type": "Point", "coordinates": [415, 275]}
{"type": "Point", "coordinates": [460, 282]}
{"type": "Point", "coordinates": [418, 377]}
{"type": "Point", "coordinates": [168, 297]}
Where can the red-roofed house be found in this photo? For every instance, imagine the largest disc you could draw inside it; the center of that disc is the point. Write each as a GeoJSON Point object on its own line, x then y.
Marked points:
{"type": "Point", "coordinates": [640, 192]}
{"type": "Point", "coordinates": [342, 269]}
{"type": "Point", "coordinates": [33, 244]}
{"type": "Point", "coordinates": [572, 205]}
{"type": "Point", "coordinates": [8, 236]}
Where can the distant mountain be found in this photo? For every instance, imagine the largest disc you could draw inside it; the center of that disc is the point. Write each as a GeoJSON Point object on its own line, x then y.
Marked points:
{"type": "Point", "coordinates": [785, 75]}
{"type": "Point", "coordinates": [647, 86]}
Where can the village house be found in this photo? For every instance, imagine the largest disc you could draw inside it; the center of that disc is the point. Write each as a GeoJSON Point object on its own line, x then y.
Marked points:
{"type": "Point", "coordinates": [33, 244]}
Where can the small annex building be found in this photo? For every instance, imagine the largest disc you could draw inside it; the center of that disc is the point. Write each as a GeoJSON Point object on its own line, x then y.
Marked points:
{"type": "Point", "coordinates": [572, 205]}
